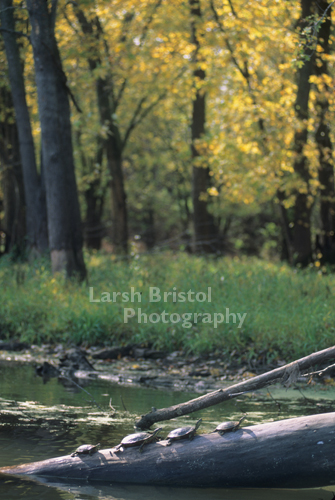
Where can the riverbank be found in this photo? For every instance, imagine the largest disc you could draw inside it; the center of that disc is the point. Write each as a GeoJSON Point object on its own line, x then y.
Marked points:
{"type": "Point", "coordinates": [251, 311]}
{"type": "Point", "coordinates": [142, 367]}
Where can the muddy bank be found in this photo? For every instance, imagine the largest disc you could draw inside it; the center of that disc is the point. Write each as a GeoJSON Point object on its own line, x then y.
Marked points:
{"type": "Point", "coordinates": [138, 366]}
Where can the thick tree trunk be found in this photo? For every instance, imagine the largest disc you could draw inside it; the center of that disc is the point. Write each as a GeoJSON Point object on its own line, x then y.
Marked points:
{"type": "Point", "coordinates": [205, 231]}
{"type": "Point", "coordinates": [302, 244]}
{"type": "Point", "coordinates": [36, 217]}
{"type": "Point", "coordinates": [64, 223]}
{"type": "Point", "coordinates": [292, 453]}
{"type": "Point", "coordinates": [323, 140]}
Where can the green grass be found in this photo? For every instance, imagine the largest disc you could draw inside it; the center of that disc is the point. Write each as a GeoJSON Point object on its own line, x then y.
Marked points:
{"type": "Point", "coordinates": [290, 313]}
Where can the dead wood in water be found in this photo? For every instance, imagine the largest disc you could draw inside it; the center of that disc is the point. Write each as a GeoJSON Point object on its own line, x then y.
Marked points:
{"type": "Point", "coordinates": [292, 453]}
{"type": "Point", "coordinates": [286, 374]}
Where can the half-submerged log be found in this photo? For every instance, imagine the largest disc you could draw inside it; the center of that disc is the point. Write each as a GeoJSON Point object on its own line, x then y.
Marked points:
{"type": "Point", "coordinates": [292, 453]}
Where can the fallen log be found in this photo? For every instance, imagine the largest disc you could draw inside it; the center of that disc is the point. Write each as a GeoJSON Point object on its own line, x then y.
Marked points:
{"type": "Point", "coordinates": [292, 453]}
{"type": "Point", "coordinates": [286, 374]}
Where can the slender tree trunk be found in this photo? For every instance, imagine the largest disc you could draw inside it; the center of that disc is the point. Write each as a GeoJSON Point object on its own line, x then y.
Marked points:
{"type": "Point", "coordinates": [64, 223]}
{"type": "Point", "coordinates": [205, 231]}
{"type": "Point", "coordinates": [94, 229]}
{"type": "Point", "coordinates": [94, 194]}
{"type": "Point", "coordinates": [302, 244]}
{"type": "Point", "coordinates": [113, 143]}
{"type": "Point", "coordinates": [114, 160]}
{"type": "Point", "coordinates": [120, 213]}
{"type": "Point", "coordinates": [149, 233]}
{"type": "Point", "coordinates": [36, 217]}
{"type": "Point", "coordinates": [95, 199]}
{"type": "Point", "coordinates": [14, 220]}
{"type": "Point", "coordinates": [323, 140]}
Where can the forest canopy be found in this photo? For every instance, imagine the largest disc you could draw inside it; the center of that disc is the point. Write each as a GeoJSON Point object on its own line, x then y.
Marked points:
{"type": "Point", "coordinates": [201, 125]}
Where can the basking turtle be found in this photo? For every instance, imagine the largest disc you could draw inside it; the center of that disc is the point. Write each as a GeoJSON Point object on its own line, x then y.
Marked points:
{"type": "Point", "coordinates": [229, 426]}
{"type": "Point", "coordinates": [183, 433]}
{"type": "Point", "coordinates": [86, 449]}
{"type": "Point", "coordinates": [138, 439]}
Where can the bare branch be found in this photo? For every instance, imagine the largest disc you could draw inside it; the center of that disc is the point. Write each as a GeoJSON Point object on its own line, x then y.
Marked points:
{"type": "Point", "coordinates": [149, 21]}
{"type": "Point", "coordinates": [244, 72]}
{"type": "Point", "coordinates": [120, 93]}
{"type": "Point", "coordinates": [141, 113]}
{"type": "Point", "coordinates": [281, 374]}
{"type": "Point", "coordinates": [17, 33]}
{"type": "Point", "coordinates": [133, 121]}
{"type": "Point", "coordinates": [232, 8]}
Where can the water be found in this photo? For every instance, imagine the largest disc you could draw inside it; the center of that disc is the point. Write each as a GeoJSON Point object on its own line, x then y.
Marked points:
{"type": "Point", "coordinates": [39, 421]}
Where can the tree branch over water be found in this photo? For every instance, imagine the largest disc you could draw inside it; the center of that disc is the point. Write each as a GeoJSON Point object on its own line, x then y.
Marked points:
{"type": "Point", "coordinates": [286, 375]}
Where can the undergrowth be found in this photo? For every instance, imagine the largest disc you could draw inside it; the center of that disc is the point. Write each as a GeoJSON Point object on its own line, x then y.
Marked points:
{"type": "Point", "coordinates": [289, 313]}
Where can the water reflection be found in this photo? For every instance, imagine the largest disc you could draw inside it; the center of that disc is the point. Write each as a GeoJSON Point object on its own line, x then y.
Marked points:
{"type": "Point", "coordinates": [51, 490]}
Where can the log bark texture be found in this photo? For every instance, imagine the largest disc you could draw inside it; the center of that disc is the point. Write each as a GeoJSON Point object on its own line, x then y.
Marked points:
{"type": "Point", "coordinates": [292, 453]}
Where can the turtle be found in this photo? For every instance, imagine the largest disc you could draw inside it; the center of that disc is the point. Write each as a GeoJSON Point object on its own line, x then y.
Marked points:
{"type": "Point", "coordinates": [183, 433]}
{"type": "Point", "coordinates": [86, 449]}
{"type": "Point", "coordinates": [138, 439]}
{"type": "Point", "coordinates": [229, 426]}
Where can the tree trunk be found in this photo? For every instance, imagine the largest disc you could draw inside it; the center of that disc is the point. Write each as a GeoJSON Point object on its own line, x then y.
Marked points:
{"type": "Point", "coordinates": [205, 231]}
{"type": "Point", "coordinates": [14, 220]}
{"type": "Point", "coordinates": [302, 244]}
{"type": "Point", "coordinates": [36, 218]}
{"type": "Point", "coordinates": [64, 223]}
{"type": "Point", "coordinates": [323, 140]}
{"type": "Point", "coordinates": [114, 159]}
{"type": "Point", "coordinates": [113, 143]}
{"type": "Point", "coordinates": [94, 195]}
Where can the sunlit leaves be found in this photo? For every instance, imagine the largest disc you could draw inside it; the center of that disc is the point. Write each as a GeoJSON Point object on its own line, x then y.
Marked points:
{"type": "Point", "coordinates": [250, 51]}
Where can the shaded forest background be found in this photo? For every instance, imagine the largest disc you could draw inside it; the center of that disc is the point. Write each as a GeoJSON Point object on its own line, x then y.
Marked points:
{"type": "Point", "coordinates": [203, 126]}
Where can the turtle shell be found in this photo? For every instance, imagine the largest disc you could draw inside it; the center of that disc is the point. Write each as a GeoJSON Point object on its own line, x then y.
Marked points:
{"type": "Point", "coordinates": [183, 432]}
{"type": "Point", "coordinates": [138, 439]}
{"type": "Point", "coordinates": [86, 449]}
{"type": "Point", "coordinates": [135, 439]}
{"type": "Point", "coordinates": [180, 433]}
{"type": "Point", "coordinates": [227, 426]}
{"type": "Point", "coordinates": [230, 425]}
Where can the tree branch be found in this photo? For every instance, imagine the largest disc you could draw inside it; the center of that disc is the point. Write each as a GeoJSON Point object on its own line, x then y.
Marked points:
{"type": "Point", "coordinates": [13, 32]}
{"type": "Point", "coordinates": [232, 9]}
{"type": "Point", "coordinates": [120, 93]}
{"type": "Point", "coordinates": [139, 115]}
{"type": "Point", "coordinates": [284, 374]}
{"type": "Point", "coordinates": [133, 121]}
{"type": "Point", "coordinates": [149, 21]}
{"type": "Point", "coordinates": [244, 72]}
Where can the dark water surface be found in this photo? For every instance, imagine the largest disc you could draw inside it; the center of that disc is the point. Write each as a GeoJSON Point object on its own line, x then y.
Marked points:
{"type": "Point", "coordinates": [40, 421]}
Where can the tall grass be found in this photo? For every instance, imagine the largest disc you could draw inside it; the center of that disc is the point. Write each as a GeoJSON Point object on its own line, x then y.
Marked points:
{"type": "Point", "coordinates": [288, 312]}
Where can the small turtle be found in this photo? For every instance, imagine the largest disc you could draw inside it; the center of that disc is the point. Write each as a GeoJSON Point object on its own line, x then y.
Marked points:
{"type": "Point", "coordinates": [183, 433]}
{"type": "Point", "coordinates": [229, 426]}
{"type": "Point", "coordinates": [86, 449]}
{"type": "Point", "coordinates": [138, 439]}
